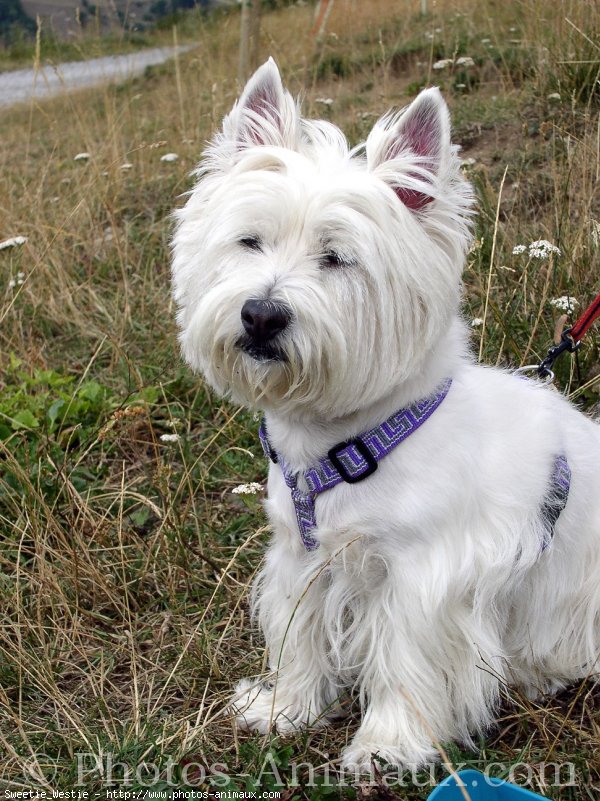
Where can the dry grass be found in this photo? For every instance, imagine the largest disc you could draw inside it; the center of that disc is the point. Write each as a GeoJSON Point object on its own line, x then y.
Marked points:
{"type": "Point", "coordinates": [124, 559]}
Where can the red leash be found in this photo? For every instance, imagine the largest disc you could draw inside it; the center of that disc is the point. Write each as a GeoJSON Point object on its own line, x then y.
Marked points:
{"type": "Point", "coordinates": [571, 338]}
{"type": "Point", "coordinates": [584, 323]}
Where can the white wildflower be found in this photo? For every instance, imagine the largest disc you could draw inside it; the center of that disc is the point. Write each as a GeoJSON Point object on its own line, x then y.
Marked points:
{"type": "Point", "coordinates": [13, 242]}
{"type": "Point", "coordinates": [14, 282]}
{"type": "Point", "coordinates": [126, 166]}
{"type": "Point", "coordinates": [470, 162]}
{"type": "Point", "coordinates": [169, 437]}
{"type": "Point", "coordinates": [565, 303]}
{"type": "Point", "coordinates": [82, 157]}
{"type": "Point", "coordinates": [169, 157]}
{"type": "Point", "coordinates": [486, 41]}
{"type": "Point", "coordinates": [461, 86]}
{"type": "Point", "coordinates": [465, 61]}
{"type": "Point", "coordinates": [554, 97]}
{"type": "Point", "coordinates": [475, 323]}
{"type": "Point", "coordinates": [443, 63]}
{"type": "Point", "coordinates": [247, 489]}
{"type": "Point", "coordinates": [325, 101]}
{"type": "Point", "coordinates": [542, 249]}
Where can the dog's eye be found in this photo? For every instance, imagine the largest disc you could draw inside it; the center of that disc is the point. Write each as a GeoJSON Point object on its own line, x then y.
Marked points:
{"type": "Point", "coordinates": [251, 242]}
{"type": "Point", "coordinates": [332, 259]}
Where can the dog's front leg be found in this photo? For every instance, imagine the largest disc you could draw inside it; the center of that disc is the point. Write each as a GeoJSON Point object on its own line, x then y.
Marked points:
{"type": "Point", "coordinates": [393, 730]}
{"type": "Point", "coordinates": [301, 689]}
{"type": "Point", "coordinates": [430, 671]}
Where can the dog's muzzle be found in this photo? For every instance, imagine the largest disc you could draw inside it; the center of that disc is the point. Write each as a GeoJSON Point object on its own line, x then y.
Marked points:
{"type": "Point", "coordinates": [263, 321]}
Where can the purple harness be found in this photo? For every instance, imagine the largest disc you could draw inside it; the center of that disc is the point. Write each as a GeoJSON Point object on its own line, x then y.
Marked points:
{"type": "Point", "coordinates": [556, 501]}
{"type": "Point", "coordinates": [350, 461]}
{"type": "Point", "coordinates": [354, 460]}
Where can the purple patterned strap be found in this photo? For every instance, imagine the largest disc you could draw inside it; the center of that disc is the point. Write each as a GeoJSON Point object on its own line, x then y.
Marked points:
{"type": "Point", "coordinates": [351, 461]}
{"type": "Point", "coordinates": [356, 459]}
{"type": "Point", "coordinates": [556, 501]}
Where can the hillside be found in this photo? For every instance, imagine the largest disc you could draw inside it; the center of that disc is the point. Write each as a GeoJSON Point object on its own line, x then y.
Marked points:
{"type": "Point", "coordinates": [13, 16]}
{"type": "Point", "coordinates": [66, 18]}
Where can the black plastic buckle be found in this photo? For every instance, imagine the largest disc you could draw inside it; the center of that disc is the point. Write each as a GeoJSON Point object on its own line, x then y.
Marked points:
{"type": "Point", "coordinates": [566, 343]}
{"type": "Point", "coordinates": [360, 446]}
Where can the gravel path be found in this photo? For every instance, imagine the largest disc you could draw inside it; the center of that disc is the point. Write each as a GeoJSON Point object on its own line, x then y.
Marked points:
{"type": "Point", "coordinates": [22, 85]}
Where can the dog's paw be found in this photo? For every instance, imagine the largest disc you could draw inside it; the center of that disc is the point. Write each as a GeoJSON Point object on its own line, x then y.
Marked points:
{"type": "Point", "coordinates": [258, 707]}
{"type": "Point", "coordinates": [252, 706]}
{"type": "Point", "coordinates": [363, 755]}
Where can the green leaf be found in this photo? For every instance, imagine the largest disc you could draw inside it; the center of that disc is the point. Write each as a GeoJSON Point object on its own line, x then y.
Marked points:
{"type": "Point", "coordinates": [91, 391]}
{"type": "Point", "coordinates": [55, 410]}
{"type": "Point", "coordinates": [148, 394]}
{"type": "Point", "coordinates": [24, 419]}
{"type": "Point", "coordinates": [140, 516]}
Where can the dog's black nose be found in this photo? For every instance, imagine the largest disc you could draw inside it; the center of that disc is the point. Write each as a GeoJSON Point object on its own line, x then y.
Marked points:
{"type": "Point", "coordinates": [264, 319]}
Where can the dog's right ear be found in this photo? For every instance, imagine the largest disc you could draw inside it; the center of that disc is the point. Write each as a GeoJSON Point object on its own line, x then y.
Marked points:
{"type": "Point", "coordinates": [265, 114]}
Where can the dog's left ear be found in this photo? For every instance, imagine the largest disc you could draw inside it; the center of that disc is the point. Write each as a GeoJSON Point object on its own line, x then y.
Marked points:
{"type": "Point", "coordinates": [410, 149]}
{"type": "Point", "coordinates": [265, 114]}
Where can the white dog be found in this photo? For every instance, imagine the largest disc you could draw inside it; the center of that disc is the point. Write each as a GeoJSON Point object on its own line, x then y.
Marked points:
{"type": "Point", "coordinates": [436, 523]}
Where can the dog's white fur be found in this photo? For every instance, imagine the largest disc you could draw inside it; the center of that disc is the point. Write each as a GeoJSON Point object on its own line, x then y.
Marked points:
{"type": "Point", "coordinates": [429, 589]}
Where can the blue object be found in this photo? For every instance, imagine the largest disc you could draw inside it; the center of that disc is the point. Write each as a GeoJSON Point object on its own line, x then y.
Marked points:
{"type": "Point", "coordinates": [481, 788]}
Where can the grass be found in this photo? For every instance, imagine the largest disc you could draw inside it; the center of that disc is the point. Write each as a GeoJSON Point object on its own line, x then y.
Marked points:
{"type": "Point", "coordinates": [124, 558]}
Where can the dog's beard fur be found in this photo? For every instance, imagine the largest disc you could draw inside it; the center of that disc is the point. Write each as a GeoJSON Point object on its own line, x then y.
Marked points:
{"type": "Point", "coordinates": [429, 589]}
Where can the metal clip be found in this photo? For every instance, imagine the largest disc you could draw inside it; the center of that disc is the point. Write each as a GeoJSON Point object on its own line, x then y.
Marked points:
{"type": "Point", "coordinates": [548, 375]}
{"type": "Point", "coordinates": [566, 343]}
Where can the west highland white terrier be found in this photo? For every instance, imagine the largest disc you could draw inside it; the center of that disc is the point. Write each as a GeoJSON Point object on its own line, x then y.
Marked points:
{"type": "Point", "coordinates": [436, 523]}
